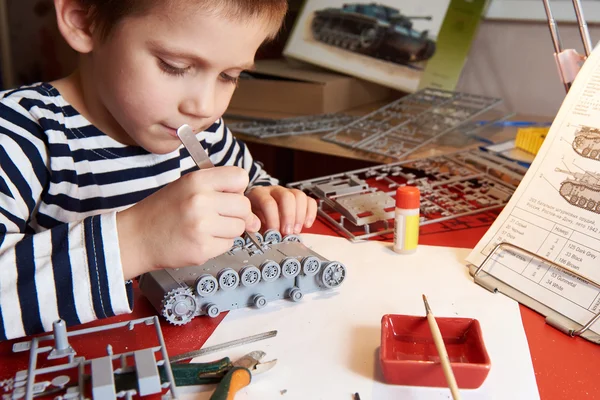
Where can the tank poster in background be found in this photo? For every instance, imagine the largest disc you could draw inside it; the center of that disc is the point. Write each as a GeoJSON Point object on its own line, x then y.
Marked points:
{"type": "Point", "coordinates": [390, 42]}
{"type": "Point", "coordinates": [555, 212]}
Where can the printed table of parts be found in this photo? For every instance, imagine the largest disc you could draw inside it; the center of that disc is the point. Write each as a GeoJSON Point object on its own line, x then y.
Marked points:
{"type": "Point", "coordinates": [570, 247]}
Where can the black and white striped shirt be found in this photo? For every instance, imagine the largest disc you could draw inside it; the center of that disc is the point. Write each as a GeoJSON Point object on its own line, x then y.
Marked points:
{"type": "Point", "coordinates": [61, 183]}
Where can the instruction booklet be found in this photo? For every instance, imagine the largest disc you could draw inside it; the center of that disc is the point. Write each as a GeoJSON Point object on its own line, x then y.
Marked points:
{"type": "Point", "coordinates": [555, 214]}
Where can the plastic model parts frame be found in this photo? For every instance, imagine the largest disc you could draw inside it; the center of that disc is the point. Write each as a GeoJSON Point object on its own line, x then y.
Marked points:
{"type": "Point", "coordinates": [47, 377]}
{"type": "Point", "coordinates": [409, 123]}
{"type": "Point", "coordinates": [245, 276]}
{"type": "Point", "coordinates": [293, 126]}
{"type": "Point", "coordinates": [360, 203]}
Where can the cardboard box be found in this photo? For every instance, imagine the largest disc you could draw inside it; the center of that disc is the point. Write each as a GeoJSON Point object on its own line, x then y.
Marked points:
{"type": "Point", "coordinates": [291, 87]}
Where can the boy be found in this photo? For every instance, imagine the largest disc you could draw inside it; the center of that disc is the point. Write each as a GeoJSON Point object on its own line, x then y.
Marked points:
{"type": "Point", "coordinates": [95, 187]}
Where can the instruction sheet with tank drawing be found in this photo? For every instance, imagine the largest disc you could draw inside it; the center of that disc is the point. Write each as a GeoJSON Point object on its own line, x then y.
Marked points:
{"type": "Point", "coordinates": [555, 212]}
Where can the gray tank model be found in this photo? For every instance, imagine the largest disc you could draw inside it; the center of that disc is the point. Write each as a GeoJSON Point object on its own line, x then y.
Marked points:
{"type": "Point", "coordinates": [245, 276]}
{"type": "Point", "coordinates": [374, 30]}
{"type": "Point", "coordinates": [587, 142]}
{"type": "Point", "coordinates": [582, 190]}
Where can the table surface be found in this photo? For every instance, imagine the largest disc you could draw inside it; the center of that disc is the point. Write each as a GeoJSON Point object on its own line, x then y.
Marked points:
{"type": "Point", "coordinates": [565, 367]}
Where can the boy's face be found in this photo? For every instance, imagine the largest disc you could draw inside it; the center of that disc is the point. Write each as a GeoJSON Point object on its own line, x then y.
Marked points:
{"type": "Point", "coordinates": [172, 67]}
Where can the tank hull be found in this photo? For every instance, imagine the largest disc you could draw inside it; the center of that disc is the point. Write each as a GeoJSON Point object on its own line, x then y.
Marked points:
{"type": "Point", "coordinates": [581, 195]}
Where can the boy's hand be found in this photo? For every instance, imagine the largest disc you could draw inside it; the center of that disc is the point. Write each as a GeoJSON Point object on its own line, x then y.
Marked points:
{"type": "Point", "coordinates": [287, 210]}
{"type": "Point", "coordinates": [187, 222]}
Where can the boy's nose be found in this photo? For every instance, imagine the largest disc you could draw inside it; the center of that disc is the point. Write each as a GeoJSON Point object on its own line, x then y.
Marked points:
{"type": "Point", "coordinates": [199, 104]}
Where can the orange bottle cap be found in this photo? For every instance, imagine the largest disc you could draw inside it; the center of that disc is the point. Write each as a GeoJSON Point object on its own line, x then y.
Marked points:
{"type": "Point", "coordinates": [408, 197]}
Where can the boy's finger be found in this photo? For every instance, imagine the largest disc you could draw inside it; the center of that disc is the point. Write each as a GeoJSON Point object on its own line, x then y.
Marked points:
{"type": "Point", "coordinates": [311, 212]}
{"type": "Point", "coordinates": [286, 201]}
{"type": "Point", "coordinates": [252, 223]}
{"type": "Point", "coordinates": [224, 179]}
{"type": "Point", "coordinates": [301, 204]}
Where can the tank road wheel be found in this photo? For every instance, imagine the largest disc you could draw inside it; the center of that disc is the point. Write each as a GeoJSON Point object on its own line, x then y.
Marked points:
{"type": "Point", "coordinates": [310, 265]}
{"type": "Point", "coordinates": [594, 154]}
{"type": "Point", "coordinates": [250, 275]}
{"type": "Point", "coordinates": [591, 204]}
{"type": "Point", "coordinates": [290, 267]}
{"type": "Point", "coordinates": [597, 210]}
{"type": "Point", "coordinates": [573, 200]}
{"type": "Point", "coordinates": [270, 270]}
{"type": "Point", "coordinates": [368, 37]}
{"type": "Point", "coordinates": [333, 274]}
{"type": "Point", "coordinates": [212, 310]}
{"type": "Point", "coordinates": [566, 189]}
{"type": "Point", "coordinates": [292, 238]}
{"type": "Point", "coordinates": [179, 306]}
{"type": "Point", "coordinates": [258, 236]}
{"type": "Point", "coordinates": [296, 294]}
{"type": "Point", "coordinates": [228, 279]}
{"type": "Point", "coordinates": [206, 285]}
{"type": "Point", "coordinates": [578, 142]}
{"type": "Point", "coordinates": [586, 151]}
{"type": "Point", "coordinates": [238, 242]}
{"type": "Point", "coordinates": [272, 236]}
{"type": "Point", "coordinates": [582, 201]}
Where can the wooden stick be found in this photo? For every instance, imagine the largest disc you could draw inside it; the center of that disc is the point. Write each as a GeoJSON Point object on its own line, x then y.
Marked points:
{"type": "Point", "coordinates": [441, 348]}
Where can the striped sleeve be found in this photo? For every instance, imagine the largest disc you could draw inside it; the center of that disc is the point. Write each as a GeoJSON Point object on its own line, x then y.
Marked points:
{"type": "Point", "coordinates": [225, 149]}
{"type": "Point", "coordinates": [70, 271]}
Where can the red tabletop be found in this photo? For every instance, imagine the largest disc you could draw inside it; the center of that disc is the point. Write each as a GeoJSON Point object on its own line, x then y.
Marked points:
{"type": "Point", "coordinates": [565, 367]}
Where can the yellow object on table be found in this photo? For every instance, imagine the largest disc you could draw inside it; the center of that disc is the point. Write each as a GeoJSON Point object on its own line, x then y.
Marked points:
{"type": "Point", "coordinates": [531, 138]}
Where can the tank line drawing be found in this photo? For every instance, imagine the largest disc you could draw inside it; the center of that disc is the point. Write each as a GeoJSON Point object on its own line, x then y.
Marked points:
{"type": "Point", "coordinates": [587, 142]}
{"type": "Point", "coordinates": [582, 189]}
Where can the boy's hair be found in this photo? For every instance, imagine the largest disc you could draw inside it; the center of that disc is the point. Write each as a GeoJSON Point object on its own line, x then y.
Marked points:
{"type": "Point", "coordinates": [105, 14]}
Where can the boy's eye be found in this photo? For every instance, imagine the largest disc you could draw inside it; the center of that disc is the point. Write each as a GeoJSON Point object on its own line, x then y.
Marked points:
{"type": "Point", "coordinates": [171, 69]}
{"type": "Point", "coordinates": [229, 78]}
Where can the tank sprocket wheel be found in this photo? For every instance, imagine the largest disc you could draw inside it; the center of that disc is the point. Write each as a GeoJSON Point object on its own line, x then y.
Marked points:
{"type": "Point", "coordinates": [179, 306]}
{"type": "Point", "coordinates": [566, 189]}
{"type": "Point", "coordinates": [334, 273]}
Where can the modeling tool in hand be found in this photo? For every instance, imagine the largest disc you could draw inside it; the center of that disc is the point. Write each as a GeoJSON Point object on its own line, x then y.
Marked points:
{"type": "Point", "coordinates": [198, 154]}
{"type": "Point", "coordinates": [441, 348]}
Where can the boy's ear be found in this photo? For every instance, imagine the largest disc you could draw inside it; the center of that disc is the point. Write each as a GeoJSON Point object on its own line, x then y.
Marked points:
{"type": "Point", "coordinates": [73, 24]}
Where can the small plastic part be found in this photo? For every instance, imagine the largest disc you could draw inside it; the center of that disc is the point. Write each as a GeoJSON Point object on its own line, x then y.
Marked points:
{"type": "Point", "coordinates": [228, 279]}
{"type": "Point", "coordinates": [250, 275]}
{"type": "Point", "coordinates": [206, 285]}
{"type": "Point", "coordinates": [260, 301]}
{"type": "Point", "coordinates": [270, 271]}
{"type": "Point", "coordinates": [61, 341]}
{"type": "Point", "coordinates": [290, 267]}
{"type": "Point", "coordinates": [272, 236]}
{"type": "Point", "coordinates": [334, 274]}
{"type": "Point", "coordinates": [103, 379]}
{"type": "Point", "coordinates": [212, 310]}
{"type": "Point", "coordinates": [296, 294]}
{"type": "Point", "coordinates": [179, 306]}
{"type": "Point", "coordinates": [147, 372]}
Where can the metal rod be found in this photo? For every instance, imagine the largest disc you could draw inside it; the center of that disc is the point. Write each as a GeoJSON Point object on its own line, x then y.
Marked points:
{"type": "Point", "coordinates": [583, 28]}
{"type": "Point", "coordinates": [555, 41]}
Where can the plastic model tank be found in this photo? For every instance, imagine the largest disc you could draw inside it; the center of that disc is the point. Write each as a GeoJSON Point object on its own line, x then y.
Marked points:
{"type": "Point", "coordinates": [587, 142]}
{"type": "Point", "coordinates": [374, 30]}
{"type": "Point", "coordinates": [242, 277]}
{"type": "Point", "coordinates": [582, 190]}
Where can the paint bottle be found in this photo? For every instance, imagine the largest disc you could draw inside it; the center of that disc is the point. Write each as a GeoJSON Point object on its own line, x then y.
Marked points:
{"type": "Point", "coordinates": [406, 221]}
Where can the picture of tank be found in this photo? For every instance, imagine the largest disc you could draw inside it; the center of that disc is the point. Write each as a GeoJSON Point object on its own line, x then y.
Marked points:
{"type": "Point", "coordinates": [374, 30]}
{"type": "Point", "coordinates": [582, 190]}
{"type": "Point", "coordinates": [587, 142]}
{"type": "Point", "coordinates": [245, 276]}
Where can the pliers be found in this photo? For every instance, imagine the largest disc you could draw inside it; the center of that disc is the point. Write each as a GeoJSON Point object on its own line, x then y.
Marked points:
{"type": "Point", "coordinates": [230, 377]}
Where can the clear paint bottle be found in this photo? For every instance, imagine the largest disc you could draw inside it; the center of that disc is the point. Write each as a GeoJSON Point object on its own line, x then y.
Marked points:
{"type": "Point", "coordinates": [406, 222]}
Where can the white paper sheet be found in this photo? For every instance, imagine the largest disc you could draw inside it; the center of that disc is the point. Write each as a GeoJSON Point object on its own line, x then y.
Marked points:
{"type": "Point", "coordinates": [327, 345]}
{"type": "Point", "coordinates": [555, 211]}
